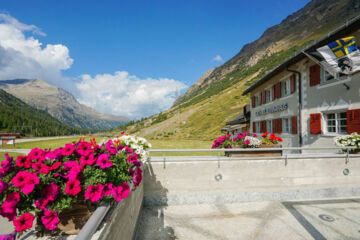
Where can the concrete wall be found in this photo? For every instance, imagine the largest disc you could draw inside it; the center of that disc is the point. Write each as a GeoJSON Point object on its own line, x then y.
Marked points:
{"type": "Point", "coordinates": [249, 180]}
{"type": "Point", "coordinates": [122, 222]}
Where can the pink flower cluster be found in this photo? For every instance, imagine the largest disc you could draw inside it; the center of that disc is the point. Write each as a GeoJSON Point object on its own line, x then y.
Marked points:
{"type": "Point", "coordinates": [44, 177]}
{"type": "Point", "coordinates": [222, 142]}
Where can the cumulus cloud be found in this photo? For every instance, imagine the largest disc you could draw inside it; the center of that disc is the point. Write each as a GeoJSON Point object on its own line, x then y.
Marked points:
{"type": "Point", "coordinates": [26, 57]}
{"type": "Point", "coordinates": [119, 93]}
{"type": "Point", "coordinates": [217, 58]}
{"type": "Point", "coordinates": [124, 94]}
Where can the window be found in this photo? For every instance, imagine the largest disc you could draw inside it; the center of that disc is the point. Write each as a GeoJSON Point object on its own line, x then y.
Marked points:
{"type": "Point", "coordinates": [285, 88]}
{"type": "Point", "coordinates": [326, 76]}
{"type": "Point", "coordinates": [267, 96]}
{"type": "Point", "coordinates": [269, 125]}
{"type": "Point", "coordinates": [336, 122]}
{"type": "Point", "coordinates": [257, 126]}
{"type": "Point", "coordinates": [286, 125]}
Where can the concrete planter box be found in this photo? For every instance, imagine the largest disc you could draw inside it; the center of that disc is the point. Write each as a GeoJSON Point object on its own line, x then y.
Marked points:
{"type": "Point", "coordinates": [256, 153]}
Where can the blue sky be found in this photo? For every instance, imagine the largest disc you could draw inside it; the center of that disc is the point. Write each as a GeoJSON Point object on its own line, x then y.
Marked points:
{"type": "Point", "coordinates": [174, 40]}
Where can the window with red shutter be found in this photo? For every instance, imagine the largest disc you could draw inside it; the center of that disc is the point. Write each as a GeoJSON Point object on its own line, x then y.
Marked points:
{"type": "Point", "coordinates": [293, 125]}
{"type": "Point", "coordinates": [314, 75]}
{"type": "Point", "coordinates": [273, 93]}
{"type": "Point", "coordinates": [315, 123]}
{"type": "Point", "coordinates": [274, 127]}
{"type": "Point", "coordinates": [254, 127]}
{"type": "Point", "coordinates": [292, 83]}
{"type": "Point", "coordinates": [353, 121]}
{"type": "Point", "coordinates": [279, 125]}
{"type": "Point", "coordinates": [253, 101]}
{"type": "Point", "coordinates": [264, 122]}
{"type": "Point", "coordinates": [278, 90]}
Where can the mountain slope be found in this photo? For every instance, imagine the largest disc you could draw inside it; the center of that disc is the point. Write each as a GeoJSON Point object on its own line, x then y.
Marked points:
{"type": "Point", "coordinates": [217, 97]}
{"type": "Point", "coordinates": [17, 116]}
{"type": "Point", "coordinates": [298, 29]}
{"type": "Point", "coordinates": [60, 104]}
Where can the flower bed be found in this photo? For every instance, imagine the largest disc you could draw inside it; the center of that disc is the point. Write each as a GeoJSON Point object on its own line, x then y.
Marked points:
{"type": "Point", "coordinates": [249, 140]}
{"type": "Point", "coordinates": [352, 140]}
{"type": "Point", "coordinates": [47, 184]}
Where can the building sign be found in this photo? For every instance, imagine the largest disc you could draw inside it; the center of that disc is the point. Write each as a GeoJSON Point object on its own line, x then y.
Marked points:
{"type": "Point", "coordinates": [277, 108]}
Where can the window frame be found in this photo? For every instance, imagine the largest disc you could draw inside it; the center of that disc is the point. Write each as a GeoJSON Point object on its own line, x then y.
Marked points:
{"type": "Point", "coordinates": [285, 91]}
{"type": "Point", "coordinates": [288, 120]}
{"type": "Point", "coordinates": [257, 125]}
{"type": "Point", "coordinates": [268, 95]}
{"type": "Point", "coordinates": [337, 77]}
{"type": "Point", "coordinates": [269, 126]}
{"type": "Point", "coordinates": [337, 119]}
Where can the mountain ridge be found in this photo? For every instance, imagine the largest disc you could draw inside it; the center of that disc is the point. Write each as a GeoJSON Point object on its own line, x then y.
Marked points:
{"type": "Point", "coordinates": [60, 104]}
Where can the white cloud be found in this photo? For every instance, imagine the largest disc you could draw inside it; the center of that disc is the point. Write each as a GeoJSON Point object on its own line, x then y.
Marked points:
{"type": "Point", "coordinates": [217, 58]}
{"type": "Point", "coordinates": [26, 57]}
{"type": "Point", "coordinates": [119, 93]}
{"type": "Point", "coordinates": [128, 95]}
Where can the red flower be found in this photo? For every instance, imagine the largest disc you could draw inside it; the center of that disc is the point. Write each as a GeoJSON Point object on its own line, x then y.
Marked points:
{"type": "Point", "coordinates": [265, 134]}
{"type": "Point", "coordinates": [50, 219]}
{"type": "Point", "coordinates": [41, 203]}
{"type": "Point", "coordinates": [24, 222]}
{"type": "Point", "coordinates": [73, 187]}
{"type": "Point", "coordinates": [108, 188]}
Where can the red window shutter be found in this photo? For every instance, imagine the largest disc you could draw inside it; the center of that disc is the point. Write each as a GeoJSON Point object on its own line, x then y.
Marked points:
{"type": "Point", "coordinates": [264, 97]}
{"type": "Point", "coordinates": [292, 83]}
{"type": "Point", "coordinates": [274, 126]}
{"type": "Point", "coordinates": [265, 126]}
{"type": "Point", "coordinates": [279, 125]}
{"type": "Point", "coordinates": [261, 98]}
{"type": "Point", "coordinates": [254, 127]}
{"type": "Point", "coordinates": [293, 125]}
{"type": "Point", "coordinates": [273, 93]}
{"type": "Point", "coordinates": [253, 101]}
{"type": "Point", "coordinates": [278, 90]}
{"type": "Point", "coordinates": [315, 123]}
{"type": "Point", "coordinates": [314, 75]}
{"type": "Point", "coordinates": [353, 121]}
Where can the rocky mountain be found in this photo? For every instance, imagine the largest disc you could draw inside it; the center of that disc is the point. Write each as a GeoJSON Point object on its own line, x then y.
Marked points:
{"type": "Point", "coordinates": [60, 104]}
{"type": "Point", "coordinates": [294, 32]}
{"type": "Point", "coordinates": [216, 97]}
{"type": "Point", "coordinates": [19, 117]}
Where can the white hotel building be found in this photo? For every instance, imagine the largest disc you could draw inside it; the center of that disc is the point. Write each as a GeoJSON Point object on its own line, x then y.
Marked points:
{"type": "Point", "coordinates": [305, 105]}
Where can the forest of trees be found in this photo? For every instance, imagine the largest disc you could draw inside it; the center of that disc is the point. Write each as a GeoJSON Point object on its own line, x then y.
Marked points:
{"type": "Point", "coordinates": [18, 117]}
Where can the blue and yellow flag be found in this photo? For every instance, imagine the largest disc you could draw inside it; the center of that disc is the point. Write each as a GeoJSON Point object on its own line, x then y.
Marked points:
{"type": "Point", "coordinates": [343, 46]}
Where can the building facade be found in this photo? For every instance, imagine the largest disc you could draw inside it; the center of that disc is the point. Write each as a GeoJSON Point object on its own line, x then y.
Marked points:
{"type": "Point", "coordinates": [304, 104]}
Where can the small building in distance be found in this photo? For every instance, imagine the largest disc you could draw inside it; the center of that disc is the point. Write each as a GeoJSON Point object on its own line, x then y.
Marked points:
{"type": "Point", "coordinates": [239, 124]}
{"type": "Point", "coordinates": [304, 104]}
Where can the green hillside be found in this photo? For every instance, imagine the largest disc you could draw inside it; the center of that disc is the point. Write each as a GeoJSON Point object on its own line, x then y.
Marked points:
{"type": "Point", "coordinates": [17, 116]}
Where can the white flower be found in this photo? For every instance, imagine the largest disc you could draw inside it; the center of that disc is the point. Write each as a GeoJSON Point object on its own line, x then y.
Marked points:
{"type": "Point", "coordinates": [138, 144]}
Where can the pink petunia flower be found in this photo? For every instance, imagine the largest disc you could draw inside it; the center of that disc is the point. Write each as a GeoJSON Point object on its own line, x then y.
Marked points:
{"type": "Point", "coordinates": [73, 169]}
{"type": "Point", "coordinates": [103, 161]}
{"type": "Point", "coordinates": [247, 142]}
{"type": "Point", "coordinates": [73, 187]}
{"type": "Point", "coordinates": [53, 155]}
{"type": "Point", "coordinates": [3, 186]}
{"type": "Point", "coordinates": [88, 160]}
{"type": "Point", "coordinates": [41, 168]}
{"type": "Point", "coordinates": [23, 162]}
{"type": "Point", "coordinates": [127, 149]}
{"type": "Point", "coordinates": [50, 219]}
{"type": "Point", "coordinates": [24, 222]}
{"type": "Point", "coordinates": [121, 192]}
{"type": "Point", "coordinates": [84, 148]}
{"type": "Point", "coordinates": [68, 150]}
{"type": "Point", "coordinates": [108, 188]}
{"type": "Point", "coordinates": [137, 177]}
{"type": "Point", "coordinates": [41, 203]}
{"type": "Point", "coordinates": [51, 191]}
{"type": "Point", "coordinates": [26, 181]}
{"type": "Point", "coordinates": [36, 154]}
{"type": "Point", "coordinates": [6, 166]}
{"type": "Point", "coordinates": [11, 236]}
{"type": "Point", "coordinates": [8, 208]}
{"type": "Point", "coordinates": [94, 192]}
{"type": "Point", "coordinates": [55, 166]}
{"type": "Point", "coordinates": [111, 147]}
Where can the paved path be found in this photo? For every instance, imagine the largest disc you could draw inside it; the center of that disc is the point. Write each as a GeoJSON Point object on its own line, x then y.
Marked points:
{"type": "Point", "coordinates": [314, 219]}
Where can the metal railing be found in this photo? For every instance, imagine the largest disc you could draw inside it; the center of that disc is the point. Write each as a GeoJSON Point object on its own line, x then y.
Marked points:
{"type": "Point", "coordinates": [344, 152]}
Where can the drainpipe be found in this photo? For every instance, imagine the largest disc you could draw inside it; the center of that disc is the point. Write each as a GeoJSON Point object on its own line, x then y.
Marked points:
{"type": "Point", "coordinates": [300, 105]}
